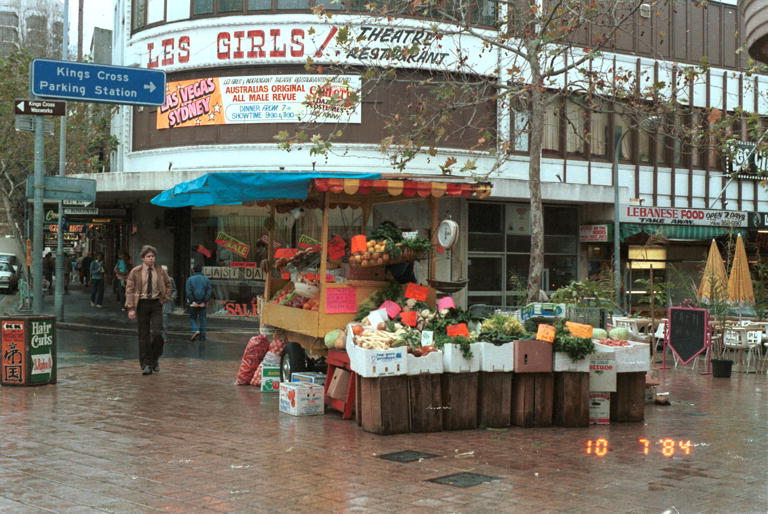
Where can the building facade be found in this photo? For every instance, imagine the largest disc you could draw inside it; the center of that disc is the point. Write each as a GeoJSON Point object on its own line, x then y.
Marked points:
{"type": "Point", "coordinates": [237, 74]}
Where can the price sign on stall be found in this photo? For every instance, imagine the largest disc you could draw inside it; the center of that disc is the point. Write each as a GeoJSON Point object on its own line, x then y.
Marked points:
{"type": "Point", "coordinates": [546, 333]}
{"type": "Point", "coordinates": [416, 292]}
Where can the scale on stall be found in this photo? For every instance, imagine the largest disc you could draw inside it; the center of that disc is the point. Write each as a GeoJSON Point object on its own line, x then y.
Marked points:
{"type": "Point", "coordinates": [447, 236]}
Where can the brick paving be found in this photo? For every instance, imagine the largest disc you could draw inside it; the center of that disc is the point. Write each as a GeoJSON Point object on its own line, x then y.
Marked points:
{"type": "Point", "coordinates": [106, 439]}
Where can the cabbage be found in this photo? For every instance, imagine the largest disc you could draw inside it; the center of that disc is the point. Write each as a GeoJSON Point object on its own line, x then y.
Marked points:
{"type": "Point", "coordinates": [331, 337]}
{"type": "Point", "coordinates": [599, 333]}
{"type": "Point", "coordinates": [621, 333]}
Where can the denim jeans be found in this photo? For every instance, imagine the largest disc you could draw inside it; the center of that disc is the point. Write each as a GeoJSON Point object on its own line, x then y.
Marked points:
{"type": "Point", "coordinates": [97, 291]}
{"type": "Point", "coordinates": [198, 321]}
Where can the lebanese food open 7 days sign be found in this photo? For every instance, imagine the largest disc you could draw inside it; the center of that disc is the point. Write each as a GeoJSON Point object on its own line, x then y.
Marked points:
{"type": "Point", "coordinates": [260, 99]}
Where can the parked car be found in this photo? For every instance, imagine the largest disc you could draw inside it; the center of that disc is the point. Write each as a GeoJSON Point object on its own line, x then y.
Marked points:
{"type": "Point", "coordinates": [13, 263]}
{"type": "Point", "coordinates": [9, 279]}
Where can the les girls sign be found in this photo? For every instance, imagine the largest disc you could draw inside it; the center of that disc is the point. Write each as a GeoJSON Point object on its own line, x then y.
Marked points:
{"type": "Point", "coordinates": [260, 99]}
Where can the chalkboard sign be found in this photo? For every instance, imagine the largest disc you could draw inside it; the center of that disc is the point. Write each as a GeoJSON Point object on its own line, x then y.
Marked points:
{"type": "Point", "coordinates": [687, 332]}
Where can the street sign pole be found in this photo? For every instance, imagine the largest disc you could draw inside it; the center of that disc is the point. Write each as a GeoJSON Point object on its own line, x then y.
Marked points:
{"type": "Point", "coordinates": [58, 305]}
{"type": "Point", "coordinates": [37, 228]}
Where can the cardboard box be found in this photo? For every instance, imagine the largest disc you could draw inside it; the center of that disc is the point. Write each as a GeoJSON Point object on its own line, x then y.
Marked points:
{"type": "Point", "coordinates": [497, 358]}
{"type": "Point", "coordinates": [431, 363]}
{"type": "Point", "coordinates": [562, 362]}
{"type": "Point", "coordinates": [602, 372]}
{"type": "Point", "coordinates": [454, 361]}
{"type": "Point", "coordinates": [339, 386]}
{"type": "Point", "coordinates": [375, 363]}
{"type": "Point", "coordinates": [270, 379]}
{"type": "Point", "coordinates": [376, 273]}
{"type": "Point", "coordinates": [301, 399]}
{"type": "Point", "coordinates": [629, 359]}
{"type": "Point", "coordinates": [533, 356]}
{"type": "Point", "coordinates": [599, 408]}
{"type": "Point", "coordinates": [311, 377]}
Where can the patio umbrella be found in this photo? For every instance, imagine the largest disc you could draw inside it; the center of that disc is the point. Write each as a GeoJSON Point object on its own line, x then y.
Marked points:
{"type": "Point", "coordinates": [714, 279]}
{"type": "Point", "coordinates": [740, 283]}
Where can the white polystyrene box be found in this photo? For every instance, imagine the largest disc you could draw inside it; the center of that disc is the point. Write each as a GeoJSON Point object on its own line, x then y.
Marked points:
{"type": "Point", "coordinates": [562, 362]}
{"type": "Point", "coordinates": [431, 363]}
{"type": "Point", "coordinates": [454, 361]}
{"type": "Point", "coordinates": [497, 358]}
{"type": "Point", "coordinates": [375, 363]}
{"type": "Point", "coordinates": [635, 357]}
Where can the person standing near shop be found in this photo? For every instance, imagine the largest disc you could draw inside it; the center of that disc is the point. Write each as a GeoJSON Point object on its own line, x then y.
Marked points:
{"type": "Point", "coordinates": [122, 267]}
{"type": "Point", "coordinates": [85, 269]}
{"type": "Point", "coordinates": [198, 291]}
{"type": "Point", "coordinates": [49, 265]}
{"type": "Point", "coordinates": [97, 281]}
{"type": "Point", "coordinates": [147, 288]}
{"type": "Point", "coordinates": [168, 306]}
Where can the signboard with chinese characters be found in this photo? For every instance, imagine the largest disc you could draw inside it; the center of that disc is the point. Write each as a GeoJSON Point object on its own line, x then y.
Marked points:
{"type": "Point", "coordinates": [261, 99]}
{"type": "Point", "coordinates": [28, 350]}
{"type": "Point", "coordinates": [681, 216]}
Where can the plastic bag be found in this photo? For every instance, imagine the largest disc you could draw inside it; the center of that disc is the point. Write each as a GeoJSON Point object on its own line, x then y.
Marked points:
{"type": "Point", "coordinates": [253, 354]}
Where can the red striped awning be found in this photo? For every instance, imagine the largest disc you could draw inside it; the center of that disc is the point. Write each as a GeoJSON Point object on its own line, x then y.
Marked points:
{"type": "Point", "coordinates": [407, 188]}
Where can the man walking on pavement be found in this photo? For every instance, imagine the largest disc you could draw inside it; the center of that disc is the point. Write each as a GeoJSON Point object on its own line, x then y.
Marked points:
{"type": "Point", "coordinates": [198, 291]}
{"type": "Point", "coordinates": [147, 288]}
{"type": "Point", "coordinates": [97, 281]}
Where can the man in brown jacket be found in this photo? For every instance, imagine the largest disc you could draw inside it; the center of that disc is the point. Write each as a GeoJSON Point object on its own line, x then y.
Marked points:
{"type": "Point", "coordinates": [147, 288]}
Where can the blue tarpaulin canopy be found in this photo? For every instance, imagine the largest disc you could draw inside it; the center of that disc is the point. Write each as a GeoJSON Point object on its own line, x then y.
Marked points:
{"type": "Point", "coordinates": [236, 188]}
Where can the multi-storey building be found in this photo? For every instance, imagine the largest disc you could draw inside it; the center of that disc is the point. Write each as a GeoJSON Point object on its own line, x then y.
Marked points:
{"type": "Point", "coordinates": [667, 187]}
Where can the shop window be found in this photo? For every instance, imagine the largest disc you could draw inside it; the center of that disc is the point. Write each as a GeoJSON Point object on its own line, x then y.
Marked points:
{"type": "Point", "coordinates": [561, 221]}
{"type": "Point", "coordinates": [561, 270]}
{"type": "Point", "coordinates": [485, 273]}
{"type": "Point", "coordinates": [486, 217]}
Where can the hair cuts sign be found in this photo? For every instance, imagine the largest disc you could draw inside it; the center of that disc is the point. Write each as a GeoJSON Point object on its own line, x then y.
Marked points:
{"type": "Point", "coordinates": [260, 99]}
{"type": "Point", "coordinates": [679, 216]}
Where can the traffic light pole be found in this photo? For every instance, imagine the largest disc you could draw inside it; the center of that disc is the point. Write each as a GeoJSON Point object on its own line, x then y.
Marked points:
{"type": "Point", "coordinates": [58, 305]}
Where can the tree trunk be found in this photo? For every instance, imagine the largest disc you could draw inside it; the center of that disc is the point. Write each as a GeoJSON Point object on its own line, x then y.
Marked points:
{"type": "Point", "coordinates": [536, 124]}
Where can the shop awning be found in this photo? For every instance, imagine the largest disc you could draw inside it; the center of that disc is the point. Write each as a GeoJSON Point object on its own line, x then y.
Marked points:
{"type": "Point", "coordinates": [687, 232]}
{"type": "Point", "coordinates": [407, 188]}
{"type": "Point", "coordinates": [239, 187]}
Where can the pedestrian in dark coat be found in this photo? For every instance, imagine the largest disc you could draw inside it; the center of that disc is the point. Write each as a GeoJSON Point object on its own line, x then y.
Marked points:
{"type": "Point", "coordinates": [198, 290]}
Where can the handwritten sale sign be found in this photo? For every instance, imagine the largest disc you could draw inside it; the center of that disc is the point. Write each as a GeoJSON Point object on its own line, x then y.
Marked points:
{"type": "Point", "coordinates": [229, 242]}
{"type": "Point", "coordinates": [416, 292]}
{"type": "Point", "coordinates": [546, 333]}
{"type": "Point", "coordinates": [579, 329]}
{"type": "Point", "coordinates": [339, 300]}
{"type": "Point", "coordinates": [458, 330]}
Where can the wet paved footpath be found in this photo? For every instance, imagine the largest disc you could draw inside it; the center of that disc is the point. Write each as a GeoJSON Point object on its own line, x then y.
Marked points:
{"type": "Point", "coordinates": [107, 439]}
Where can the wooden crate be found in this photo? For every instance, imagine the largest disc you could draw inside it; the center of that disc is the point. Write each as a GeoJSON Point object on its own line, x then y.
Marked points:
{"type": "Point", "coordinates": [494, 399]}
{"type": "Point", "coordinates": [459, 392]}
{"type": "Point", "coordinates": [571, 401]}
{"type": "Point", "coordinates": [426, 402]}
{"type": "Point", "coordinates": [533, 357]}
{"type": "Point", "coordinates": [532, 399]}
{"type": "Point", "coordinates": [628, 402]}
{"type": "Point", "coordinates": [384, 405]}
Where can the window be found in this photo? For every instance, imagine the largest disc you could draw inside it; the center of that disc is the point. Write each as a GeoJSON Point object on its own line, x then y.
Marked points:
{"type": "Point", "coordinates": [139, 16]}
{"type": "Point", "coordinates": [520, 131]}
{"type": "Point", "coordinates": [574, 127]}
{"type": "Point", "coordinates": [259, 5]}
{"type": "Point", "coordinates": [230, 6]}
{"type": "Point", "coordinates": [498, 274]}
{"type": "Point", "coordinates": [598, 132]}
{"type": "Point", "coordinates": [202, 7]}
{"type": "Point", "coordinates": [551, 141]}
{"type": "Point", "coordinates": [621, 125]}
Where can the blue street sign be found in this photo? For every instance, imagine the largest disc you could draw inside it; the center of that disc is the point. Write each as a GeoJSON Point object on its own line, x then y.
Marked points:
{"type": "Point", "coordinates": [97, 83]}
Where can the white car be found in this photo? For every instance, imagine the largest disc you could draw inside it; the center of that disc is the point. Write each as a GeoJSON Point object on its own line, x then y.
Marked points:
{"type": "Point", "coordinates": [9, 279]}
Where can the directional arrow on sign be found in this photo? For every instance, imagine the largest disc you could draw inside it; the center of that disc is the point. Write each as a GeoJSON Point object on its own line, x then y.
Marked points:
{"type": "Point", "coordinates": [39, 107]}
{"type": "Point", "coordinates": [151, 86]}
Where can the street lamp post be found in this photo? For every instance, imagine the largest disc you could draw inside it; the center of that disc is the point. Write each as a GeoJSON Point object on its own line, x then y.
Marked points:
{"type": "Point", "coordinates": [616, 213]}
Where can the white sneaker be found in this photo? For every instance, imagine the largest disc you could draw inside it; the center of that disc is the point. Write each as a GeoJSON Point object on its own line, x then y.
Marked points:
{"type": "Point", "coordinates": [93, 304]}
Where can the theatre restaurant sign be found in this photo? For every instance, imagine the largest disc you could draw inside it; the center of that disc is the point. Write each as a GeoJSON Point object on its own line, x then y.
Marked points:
{"type": "Point", "coordinates": [680, 216]}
